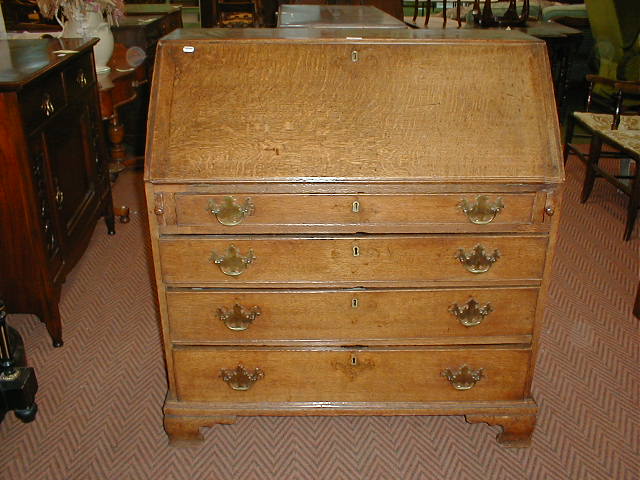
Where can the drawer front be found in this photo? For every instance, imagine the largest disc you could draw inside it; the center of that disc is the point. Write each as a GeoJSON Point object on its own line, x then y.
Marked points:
{"type": "Point", "coordinates": [354, 316]}
{"type": "Point", "coordinates": [392, 375]}
{"type": "Point", "coordinates": [243, 213]}
{"type": "Point", "coordinates": [365, 261]}
{"type": "Point", "coordinates": [79, 76]}
{"type": "Point", "coordinates": [42, 100]}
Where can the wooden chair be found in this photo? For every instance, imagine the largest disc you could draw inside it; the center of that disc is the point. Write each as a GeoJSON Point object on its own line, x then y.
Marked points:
{"type": "Point", "coordinates": [622, 134]}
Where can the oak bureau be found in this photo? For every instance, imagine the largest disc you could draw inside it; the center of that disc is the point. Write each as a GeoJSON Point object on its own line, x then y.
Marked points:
{"type": "Point", "coordinates": [352, 223]}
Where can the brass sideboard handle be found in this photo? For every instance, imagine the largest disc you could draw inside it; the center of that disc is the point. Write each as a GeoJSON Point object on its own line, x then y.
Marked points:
{"type": "Point", "coordinates": [477, 261]}
{"type": "Point", "coordinates": [47, 106]}
{"type": "Point", "coordinates": [240, 378]}
{"type": "Point", "coordinates": [232, 263]}
{"type": "Point", "coordinates": [238, 318]}
{"type": "Point", "coordinates": [464, 378]}
{"type": "Point", "coordinates": [230, 212]}
{"type": "Point", "coordinates": [471, 313]}
{"type": "Point", "coordinates": [81, 78]}
{"type": "Point", "coordinates": [549, 210]}
{"type": "Point", "coordinates": [59, 196]}
{"type": "Point", "coordinates": [482, 210]}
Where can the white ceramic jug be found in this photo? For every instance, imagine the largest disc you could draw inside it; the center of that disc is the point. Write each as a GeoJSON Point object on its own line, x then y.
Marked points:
{"type": "Point", "coordinates": [89, 24]}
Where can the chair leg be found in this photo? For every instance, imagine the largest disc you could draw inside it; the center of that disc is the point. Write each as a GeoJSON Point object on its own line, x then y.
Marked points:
{"type": "Point", "coordinates": [590, 175]}
{"type": "Point", "coordinates": [634, 203]}
{"type": "Point", "coordinates": [568, 136]}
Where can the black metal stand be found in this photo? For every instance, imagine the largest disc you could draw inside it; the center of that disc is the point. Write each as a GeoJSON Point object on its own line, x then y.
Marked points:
{"type": "Point", "coordinates": [18, 384]}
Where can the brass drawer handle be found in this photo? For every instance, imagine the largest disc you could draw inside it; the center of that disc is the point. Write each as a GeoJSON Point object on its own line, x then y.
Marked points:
{"type": "Point", "coordinates": [471, 313]}
{"type": "Point", "coordinates": [232, 263]}
{"type": "Point", "coordinates": [59, 196]}
{"type": "Point", "coordinates": [478, 261]}
{"type": "Point", "coordinates": [81, 79]}
{"type": "Point", "coordinates": [240, 378]}
{"type": "Point", "coordinates": [47, 106]}
{"type": "Point", "coordinates": [238, 318]}
{"type": "Point", "coordinates": [230, 212]}
{"type": "Point", "coordinates": [482, 210]}
{"type": "Point", "coordinates": [464, 378]}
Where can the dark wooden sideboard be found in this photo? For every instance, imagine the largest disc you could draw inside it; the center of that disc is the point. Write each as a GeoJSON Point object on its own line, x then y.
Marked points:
{"type": "Point", "coordinates": [54, 183]}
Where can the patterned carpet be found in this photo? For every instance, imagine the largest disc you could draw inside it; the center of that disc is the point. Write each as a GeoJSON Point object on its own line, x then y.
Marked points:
{"type": "Point", "coordinates": [101, 395]}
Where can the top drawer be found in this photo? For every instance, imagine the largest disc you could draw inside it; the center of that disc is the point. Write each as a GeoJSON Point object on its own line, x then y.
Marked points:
{"type": "Point", "coordinates": [41, 100]}
{"type": "Point", "coordinates": [274, 213]}
{"type": "Point", "coordinates": [78, 76]}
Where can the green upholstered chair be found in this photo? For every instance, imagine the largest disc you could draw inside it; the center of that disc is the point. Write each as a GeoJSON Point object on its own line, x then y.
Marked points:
{"type": "Point", "coordinates": [615, 26]}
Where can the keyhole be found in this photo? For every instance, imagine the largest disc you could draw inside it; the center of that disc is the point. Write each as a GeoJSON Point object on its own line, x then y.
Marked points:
{"type": "Point", "coordinates": [354, 56]}
{"type": "Point", "coordinates": [354, 303]}
{"type": "Point", "coordinates": [356, 251]}
{"type": "Point", "coordinates": [354, 360]}
{"type": "Point", "coordinates": [355, 208]}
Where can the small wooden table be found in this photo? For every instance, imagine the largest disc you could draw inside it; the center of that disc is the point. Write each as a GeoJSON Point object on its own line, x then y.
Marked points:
{"type": "Point", "coordinates": [336, 16]}
{"type": "Point", "coordinates": [118, 87]}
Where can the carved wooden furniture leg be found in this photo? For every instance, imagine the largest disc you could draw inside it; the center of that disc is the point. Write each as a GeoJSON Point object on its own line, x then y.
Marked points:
{"type": "Point", "coordinates": [516, 429]}
{"type": "Point", "coordinates": [185, 431]}
{"type": "Point", "coordinates": [109, 217]}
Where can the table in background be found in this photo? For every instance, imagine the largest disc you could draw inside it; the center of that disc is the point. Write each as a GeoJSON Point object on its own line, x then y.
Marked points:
{"type": "Point", "coordinates": [139, 32]}
{"type": "Point", "coordinates": [336, 16]}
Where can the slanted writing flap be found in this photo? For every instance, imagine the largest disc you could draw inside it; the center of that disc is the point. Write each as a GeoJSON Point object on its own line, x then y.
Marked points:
{"type": "Point", "coordinates": [453, 110]}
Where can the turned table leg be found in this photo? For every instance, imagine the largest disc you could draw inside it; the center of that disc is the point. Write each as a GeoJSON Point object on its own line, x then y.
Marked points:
{"type": "Point", "coordinates": [118, 151]}
{"type": "Point", "coordinates": [516, 429]}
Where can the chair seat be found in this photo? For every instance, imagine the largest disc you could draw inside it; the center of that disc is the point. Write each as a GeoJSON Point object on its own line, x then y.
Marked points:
{"type": "Point", "coordinates": [602, 121]}
{"type": "Point", "coordinates": [626, 139]}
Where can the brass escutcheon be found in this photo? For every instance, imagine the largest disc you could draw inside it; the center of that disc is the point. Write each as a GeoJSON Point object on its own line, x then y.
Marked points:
{"type": "Point", "coordinates": [464, 378]}
{"type": "Point", "coordinates": [238, 318]}
{"type": "Point", "coordinates": [471, 313]}
{"type": "Point", "coordinates": [240, 378]}
{"type": "Point", "coordinates": [232, 263]}
{"type": "Point", "coordinates": [482, 211]}
{"type": "Point", "coordinates": [230, 212]}
{"type": "Point", "coordinates": [477, 261]}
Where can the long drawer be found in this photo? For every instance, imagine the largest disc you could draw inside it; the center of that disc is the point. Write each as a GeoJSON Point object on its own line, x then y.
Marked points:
{"type": "Point", "coordinates": [360, 260]}
{"type": "Point", "coordinates": [273, 212]}
{"type": "Point", "coordinates": [353, 316]}
{"type": "Point", "coordinates": [372, 375]}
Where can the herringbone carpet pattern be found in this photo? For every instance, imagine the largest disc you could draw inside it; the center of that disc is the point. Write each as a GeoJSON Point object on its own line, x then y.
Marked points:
{"type": "Point", "coordinates": [101, 394]}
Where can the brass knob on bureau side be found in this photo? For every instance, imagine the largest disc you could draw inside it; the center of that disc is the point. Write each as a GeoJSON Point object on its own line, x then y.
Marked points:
{"type": "Point", "coordinates": [240, 378]}
{"type": "Point", "coordinates": [230, 212]}
{"type": "Point", "coordinates": [464, 377]}
{"type": "Point", "coordinates": [482, 210]}
{"type": "Point", "coordinates": [233, 263]}
{"type": "Point", "coordinates": [238, 318]}
{"type": "Point", "coordinates": [478, 261]}
{"type": "Point", "coordinates": [471, 313]}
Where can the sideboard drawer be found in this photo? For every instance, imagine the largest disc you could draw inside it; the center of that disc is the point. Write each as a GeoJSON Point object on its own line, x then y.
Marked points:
{"type": "Point", "coordinates": [78, 76]}
{"type": "Point", "coordinates": [41, 100]}
{"type": "Point", "coordinates": [360, 260]}
{"type": "Point", "coordinates": [343, 375]}
{"type": "Point", "coordinates": [273, 212]}
{"type": "Point", "coordinates": [353, 316]}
